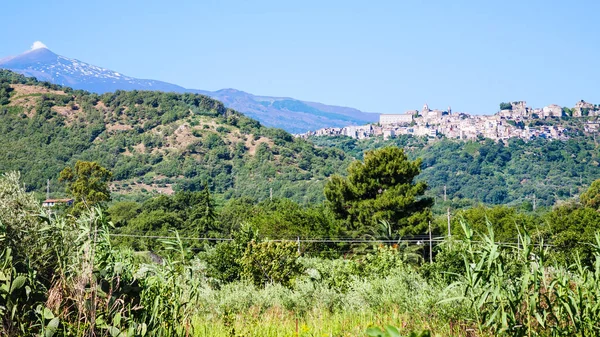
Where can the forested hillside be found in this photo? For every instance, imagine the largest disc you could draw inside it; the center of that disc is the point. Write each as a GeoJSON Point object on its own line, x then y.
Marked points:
{"type": "Point", "coordinates": [163, 142]}
{"type": "Point", "coordinates": [490, 172]}
{"type": "Point", "coordinates": [154, 141]}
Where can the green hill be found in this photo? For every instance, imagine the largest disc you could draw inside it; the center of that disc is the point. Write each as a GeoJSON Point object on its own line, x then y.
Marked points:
{"type": "Point", "coordinates": [158, 142]}
{"type": "Point", "coordinates": [154, 142]}
{"type": "Point", "coordinates": [495, 173]}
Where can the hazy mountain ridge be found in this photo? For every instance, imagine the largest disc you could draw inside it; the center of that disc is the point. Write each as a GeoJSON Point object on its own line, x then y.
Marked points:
{"type": "Point", "coordinates": [288, 113]}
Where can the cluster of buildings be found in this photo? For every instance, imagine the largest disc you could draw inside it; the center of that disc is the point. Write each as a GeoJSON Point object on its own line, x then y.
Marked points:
{"type": "Point", "coordinates": [515, 120]}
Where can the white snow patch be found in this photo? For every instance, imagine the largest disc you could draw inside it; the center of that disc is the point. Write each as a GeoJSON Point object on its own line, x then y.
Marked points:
{"type": "Point", "coordinates": [38, 45]}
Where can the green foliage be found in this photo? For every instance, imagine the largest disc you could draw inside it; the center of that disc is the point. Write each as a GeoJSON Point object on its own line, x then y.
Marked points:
{"type": "Point", "coordinates": [270, 262]}
{"type": "Point", "coordinates": [504, 220]}
{"type": "Point", "coordinates": [505, 106]}
{"type": "Point", "coordinates": [591, 197]}
{"type": "Point", "coordinates": [84, 286]}
{"type": "Point", "coordinates": [340, 273]}
{"type": "Point", "coordinates": [449, 262]}
{"type": "Point", "coordinates": [573, 232]}
{"type": "Point", "coordinates": [510, 172]}
{"type": "Point", "coordinates": [224, 261]}
{"type": "Point", "coordinates": [18, 211]}
{"type": "Point", "coordinates": [5, 90]}
{"type": "Point", "coordinates": [539, 299]}
{"type": "Point", "coordinates": [87, 182]}
{"type": "Point", "coordinates": [381, 188]}
{"type": "Point", "coordinates": [391, 331]}
{"type": "Point", "coordinates": [281, 218]}
{"type": "Point", "coordinates": [500, 290]}
{"type": "Point", "coordinates": [122, 212]}
{"type": "Point", "coordinates": [567, 112]}
{"type": "Point", "coordinates": [190, 213]}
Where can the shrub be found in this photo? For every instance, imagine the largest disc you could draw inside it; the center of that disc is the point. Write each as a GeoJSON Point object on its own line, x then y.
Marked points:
{"type": "Point", "coordinates": [223, 261]}
{"type": "Point", "coordinates": [271, 262]}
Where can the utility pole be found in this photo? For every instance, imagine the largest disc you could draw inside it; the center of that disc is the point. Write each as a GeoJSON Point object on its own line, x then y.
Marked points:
{"type": "Point", "coordinates": [449, 234]}
{"type": "Point", "coordinates": [430, 245]}
{"type": "Point", "coordinates": [271, 193]}
{"type": "Point", "coordinates": [48, 189]}
{"type": "Point", "coordinates": [444, 192]}
{"type": "Point", "coordinates": [298, 241]}
{"type": "Point", "coordinates": [534, 201]}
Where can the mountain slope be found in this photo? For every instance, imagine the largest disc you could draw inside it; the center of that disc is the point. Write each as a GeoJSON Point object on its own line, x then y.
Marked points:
{"type": "Point", "coordinates": [290, 114]}
{"type": "Point", "coordinates": [48, 66]}
{"type": "Point", "coordinates": [154, 141]}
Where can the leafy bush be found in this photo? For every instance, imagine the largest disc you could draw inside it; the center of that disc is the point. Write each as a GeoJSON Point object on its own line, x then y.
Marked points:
{"type": "Point", "coordinates": [271, 262]}
{"type": "Point", "coordinates": [224, 260]}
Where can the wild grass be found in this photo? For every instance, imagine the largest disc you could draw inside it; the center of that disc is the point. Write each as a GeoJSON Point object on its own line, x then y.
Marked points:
{"type": "Point", "coordinates": [278, 322]}
{"type": "Point", "coordinates": [68, 280]}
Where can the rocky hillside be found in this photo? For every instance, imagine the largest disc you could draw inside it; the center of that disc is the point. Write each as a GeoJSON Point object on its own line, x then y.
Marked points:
{"type": "Point", "coordinates": [154, 142]}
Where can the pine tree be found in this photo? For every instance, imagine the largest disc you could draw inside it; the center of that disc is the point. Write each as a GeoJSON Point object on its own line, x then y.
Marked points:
{"type": "Point", "coordinates": [380, 188]}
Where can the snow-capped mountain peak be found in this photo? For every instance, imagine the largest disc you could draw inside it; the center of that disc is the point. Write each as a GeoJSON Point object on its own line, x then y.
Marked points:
{"type": "Point", "coordinates": [42, 63]}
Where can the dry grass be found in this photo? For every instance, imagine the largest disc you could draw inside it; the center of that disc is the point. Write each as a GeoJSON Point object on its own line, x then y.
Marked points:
{"type": "Point", "coordinates": [116, 187]}
{"type": "Point", "coordinates": [251, 144]}
{"type": "Point", "coordinates": [183, 137]}
{"type": "Point", "coordinates": [23, 90]}
{"type": "Point", "coordinates": [118, 127]}
{"type": "Point", "coordinates": [140, 148]}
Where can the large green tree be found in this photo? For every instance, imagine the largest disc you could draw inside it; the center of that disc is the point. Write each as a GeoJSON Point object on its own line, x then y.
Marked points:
{"type": "Point", "coordinates": [87, 182]}
{"type": "Point", "coordinates": [382, 187]}
{"type": "Point", "coordinates": [572, 232]}
{"type": "Point", "coordinates": [591, 197]}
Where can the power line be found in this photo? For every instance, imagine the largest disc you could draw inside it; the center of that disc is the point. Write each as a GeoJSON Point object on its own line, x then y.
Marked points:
{"type": "Point", "coordinates": [293, 237]}
{"type": "Point", "coordinates": [350, 241]}
{"type": "Point", "coordinates": [169, 237]}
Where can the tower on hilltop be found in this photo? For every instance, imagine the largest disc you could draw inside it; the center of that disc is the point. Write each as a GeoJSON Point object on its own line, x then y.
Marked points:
{"type": "Point", "coordinates": [425, 109]}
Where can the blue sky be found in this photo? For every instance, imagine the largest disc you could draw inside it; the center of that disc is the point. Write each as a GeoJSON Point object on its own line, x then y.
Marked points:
{"type": "Point", "coordinates": [380, 56]}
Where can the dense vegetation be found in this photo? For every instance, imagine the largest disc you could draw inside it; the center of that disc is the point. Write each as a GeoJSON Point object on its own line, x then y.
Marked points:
{"type": "Point", "coordinates": [514, 172]}
{"type": "Point", "coordinates": [70, 276]}
{"type": "Point", "coordinates": [154, 141]}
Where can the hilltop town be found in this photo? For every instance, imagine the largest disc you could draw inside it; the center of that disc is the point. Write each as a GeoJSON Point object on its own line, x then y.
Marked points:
{"type": "Point", "coordinates": [514, 120]}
